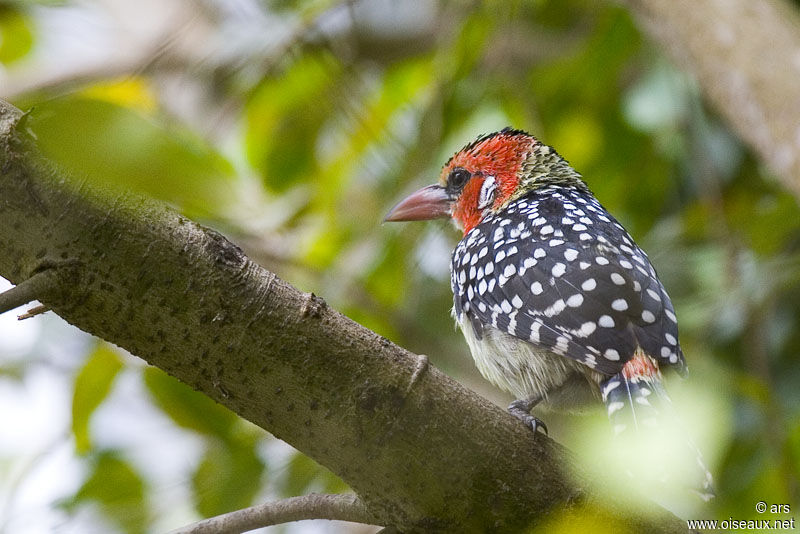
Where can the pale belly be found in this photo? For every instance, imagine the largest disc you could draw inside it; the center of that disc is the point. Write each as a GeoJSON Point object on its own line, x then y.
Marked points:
{"type": "Point", "coordinates": [526, 371]}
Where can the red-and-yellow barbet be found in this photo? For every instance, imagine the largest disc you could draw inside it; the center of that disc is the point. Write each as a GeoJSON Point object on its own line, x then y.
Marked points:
{"type": "Point", "coordinates": [556, 301]}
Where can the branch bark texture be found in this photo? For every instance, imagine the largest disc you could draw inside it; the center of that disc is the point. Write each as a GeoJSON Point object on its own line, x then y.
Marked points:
{"type": "Point", "coordinates": [343, 507]}
{"type": "Point", "coordinates": [422, 452]}
{"type": "Point", "coordinates": [746, 57]}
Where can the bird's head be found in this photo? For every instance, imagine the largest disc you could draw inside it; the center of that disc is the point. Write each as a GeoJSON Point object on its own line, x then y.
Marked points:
{"type": "Point", "coordinates": [483, 177]}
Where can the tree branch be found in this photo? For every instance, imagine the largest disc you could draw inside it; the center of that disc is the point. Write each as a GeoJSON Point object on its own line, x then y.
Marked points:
{"type": "Point", "coordinates": [341, 507]}
{"type": "Point", "coordinates": [746, 57]}
{"type": "Point", "coordinates": [26, 291]}
{"type": "Point", "coordinates": [422, 452]}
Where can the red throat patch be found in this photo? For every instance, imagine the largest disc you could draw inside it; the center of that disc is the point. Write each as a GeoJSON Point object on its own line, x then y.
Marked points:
{"type": "Point", "coordinates": [500, 155]}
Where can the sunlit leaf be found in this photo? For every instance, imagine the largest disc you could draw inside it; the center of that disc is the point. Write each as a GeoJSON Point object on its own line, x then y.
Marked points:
{"type": "Point", "coordinates": [133, 92]}
{"type": "Point", "coordinates": [16, 34]}
{"type": "Point", "coordinates": [118, 148]}
{"type": "Point", "coordinates": [92, 386]}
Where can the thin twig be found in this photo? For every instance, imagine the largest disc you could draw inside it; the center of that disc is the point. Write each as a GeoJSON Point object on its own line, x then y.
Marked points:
{"type": "Point", "coordinates": [343, 507]}
{"type": "Point", "coordinates": [26, 291]}
{"type": "Point", "coordinates": [33, 312]}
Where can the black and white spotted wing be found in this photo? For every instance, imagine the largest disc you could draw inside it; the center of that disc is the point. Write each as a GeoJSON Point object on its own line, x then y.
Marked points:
{"type": "Point", "coordinates": [556, 270]}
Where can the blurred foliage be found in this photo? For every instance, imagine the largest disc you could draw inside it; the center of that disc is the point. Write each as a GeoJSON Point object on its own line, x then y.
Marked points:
{"type": "Point", "coordinates": [298, 147]}
{"type": "Point", "coordinates": [117, 488]}
{"type": "Point", "coordinates": [92, 386]}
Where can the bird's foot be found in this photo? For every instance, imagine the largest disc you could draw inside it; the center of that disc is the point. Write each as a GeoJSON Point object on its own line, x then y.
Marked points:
{"type": "Point", "coordinates": [521, 408]}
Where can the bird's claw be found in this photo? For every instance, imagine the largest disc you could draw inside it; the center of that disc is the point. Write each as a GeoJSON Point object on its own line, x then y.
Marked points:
{"type": "Point", "coordinates": [534, 423]}
{"type": "Point", "coordinates": [519, 409]}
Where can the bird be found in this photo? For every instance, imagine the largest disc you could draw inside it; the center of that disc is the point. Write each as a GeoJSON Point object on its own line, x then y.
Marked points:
{"type": "Point", "coordinates": [558, 304]}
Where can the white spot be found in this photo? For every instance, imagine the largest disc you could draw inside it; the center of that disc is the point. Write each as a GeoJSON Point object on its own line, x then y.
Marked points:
{"type": "Point", "coordinates": [586, 220]}
{"type": "Point", "coordinates": [589, 284]}
{"type": "Point", "coordinates": [516, 301]}
{"type": "Point", "coordinates": [561, 344]}
{"type": "Point", "coordinates": [486, 195]}
{"type": "Point", "coordinates": [534, 337]}
{"type": "Point", "coordinates": [620, 305]}
{"type": "Point", "coordinates": [501, 280]}
{"type": "Point", "coordinates": [670, 339]}
{"type": "Point", "coordinates": [482, 287]}
{"type": "Point", "coordinates": [528, 263]}
{"type": "Point", "coordinates": [575, 300]}
{"type": "Point", "coordinates": [587, 328]}
{"type": "Point", "coordinates": [558, 269]}
{"type": "Point", "coordinates": [626, 264]}
{"type": "Point", "coordinates": [539, 253]}
{"type": "Point", "coordinates": [671, 316]}
{"type": "Point", "coordinates": [637, 286]}
{"type": "Point", "coordinates": [481, 306]}
{"type": "Point", "coordinates": [510, 270]}
{"type": "Point", "coordinates": [579, 227]}
{"type": "Point", "coordinates": [654, 294]}
{"type": "Point", "coordinates": [546, 229]}
{"type": "Point", "coordinates": [585, 237]}
{"type": "Point", "coordinates": [614, 407]}
{"type": "Point", "coordinates": [505, 306]}
{"type": "Point", "coordinates": [465, 258]}
{"type": "Point", "coordinates": [567, 220]}
{"type": "Point", "coordinates": [538, 221]}
{"type": "Point", "coordinates": [557, 307]}
{"type": "Point", "coordinates": [611, 354]}
{"type": "Point", "coordinates": [584, 265]}
{"type": "Point", "coordinates": [500, 256]}
{"type": "Point", "coordinates": [617, 279]}
{"type": "Point", "coordinates": [570, 254]}
{"type": "Point", "coordinates": [648, 317]}
{"type": "Point", "coordinates": [470, 293]}
{"type": "Point", "coordinates": [489, 268]}
{"type": "Point", "coordinates": [472, 272]}
{"type": "Point", "coordinates": [665, 352]}
{"type": "Point", "coordinates": [606, 321]}
{"type": "Point", "coordinates": [491, 284]}
{"type": "Point", "coordinates": [673, 358]}
{"type": "Point", "coordinates": [483, 252]}
{"type": "Point", "coordinates": [601, 260]}
{"type": "Point", "coordinates": [556, 242]}
{"type": "Point", "coordinates": [536, 288]}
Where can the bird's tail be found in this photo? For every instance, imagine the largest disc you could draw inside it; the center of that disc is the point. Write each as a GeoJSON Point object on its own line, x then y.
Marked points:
{"type": "Point", "coordinates": [639, 407]}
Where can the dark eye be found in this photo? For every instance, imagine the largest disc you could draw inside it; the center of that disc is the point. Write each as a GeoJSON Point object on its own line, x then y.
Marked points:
{"type": "Point", "coordinates": [458, 178]}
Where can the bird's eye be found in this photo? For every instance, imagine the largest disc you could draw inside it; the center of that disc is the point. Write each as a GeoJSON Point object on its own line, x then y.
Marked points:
{"type": "Point", "coordinates": [458, 178]}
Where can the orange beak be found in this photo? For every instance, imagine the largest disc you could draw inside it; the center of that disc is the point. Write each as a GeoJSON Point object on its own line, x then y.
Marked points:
{"type": "Point", "coordinates": [431, 202]}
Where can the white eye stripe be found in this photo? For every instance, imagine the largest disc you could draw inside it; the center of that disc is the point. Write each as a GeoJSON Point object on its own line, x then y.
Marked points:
{"type": "Point", "coordinates": [487, 192]}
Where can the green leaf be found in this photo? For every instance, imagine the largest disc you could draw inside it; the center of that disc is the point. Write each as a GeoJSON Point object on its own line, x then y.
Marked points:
{"type": "Point", "coordinates": [304, 475]}
{"type": "Point", "coordinates": [118, 489]}
{"type": "Point", "coordinates": [227, 478]}
{"type": "Point", "coordinates": [16, 35]}
{"type": "Point", "coordinates": [92, 386]}
{"type": "Point", "coordinates": [123, 149]}
{"type": "Point", "coordinates": [284, 116]}
{"type": "Point", "coordinates": [186, 407]}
